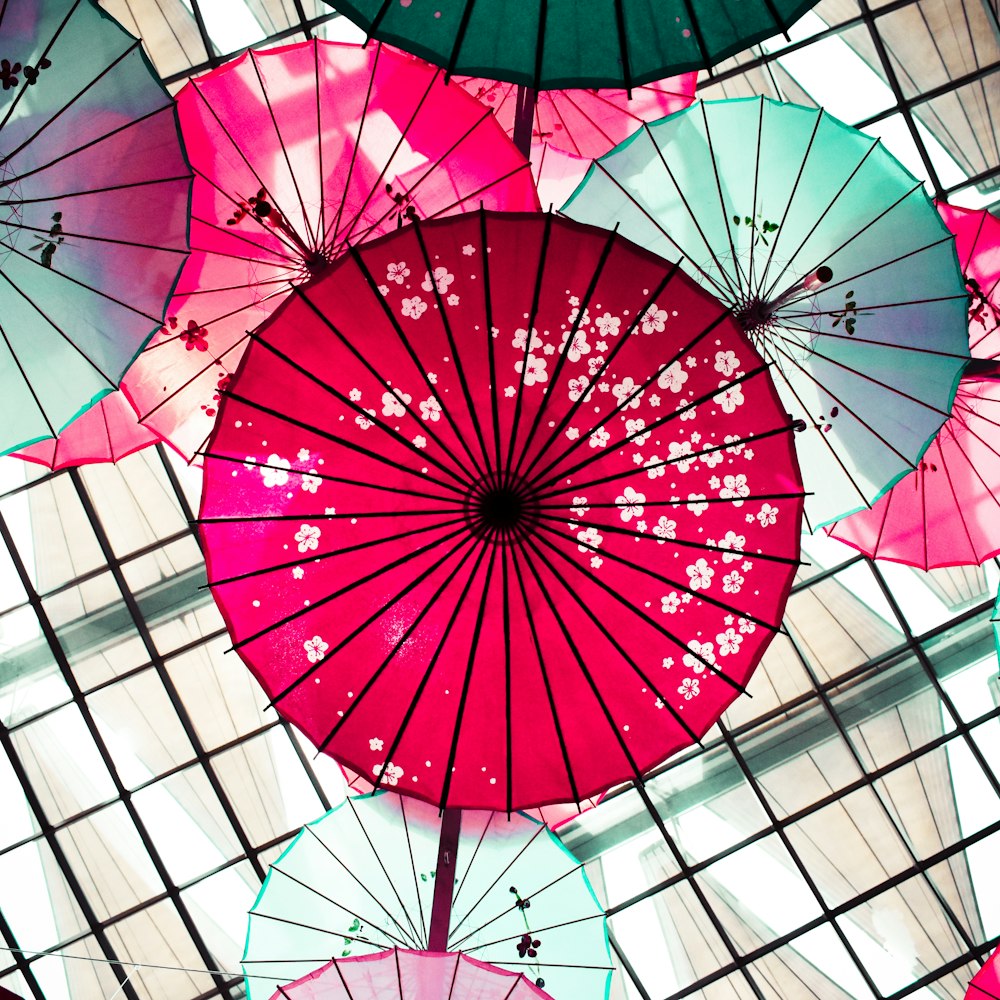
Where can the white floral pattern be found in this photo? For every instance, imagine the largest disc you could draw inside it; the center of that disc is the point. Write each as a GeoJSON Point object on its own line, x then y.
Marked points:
{"type": "Point", "coordinates": [275, 472]}
{"type": "Point", "coordinates": [441, 280]}
{"type": "Point", "coordinates": [315, 649]}
{"type": "Point", "coordinates": [414, 307]}
{"type": "Point", "coordinates": [391, 773]}
{"type": "Point", "coordinates": [308, 537]}
{"type": "Point", "coordinates": [394, 403]}
{"type": "Point", "coordinates": [630, 504]}
{"type": "Point", "coordinates": [397, 272]}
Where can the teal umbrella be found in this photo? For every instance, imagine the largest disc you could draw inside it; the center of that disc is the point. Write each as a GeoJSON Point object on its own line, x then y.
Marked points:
{"type": "Point", "coordinates": [371, 875]}
{"type": "Point", "coordinates": [834, 260]}
{"type": "Point", "coordinates": [548, 44]}
{"type": "Point", "coordinates": [94, 189]}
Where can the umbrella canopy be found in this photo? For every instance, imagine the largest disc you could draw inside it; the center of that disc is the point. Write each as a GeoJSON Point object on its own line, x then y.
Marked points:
{"type": "Point", "coordinates": [404, 974]}
{"type": "Point", "coordinates": [364, 877]}
{"type": "Point", "coordinates": [585, 123]}
{"type": "Point", "coordinates": [947, 512]}
{"type": "Point", "coordinates": [107, 432]}
{"type": "Point", "coordinates": [548, 44]}
{"type": "Point", "coordinates": [93, 222]}
{"type": "Point", "coordinates": [502, 511]}
{"type": "Point", "coordinates": [985, 983]}
{"type": "Point", "coordinates": [299, 151]}
{"type": "Point", "coordinates": [833, 257]}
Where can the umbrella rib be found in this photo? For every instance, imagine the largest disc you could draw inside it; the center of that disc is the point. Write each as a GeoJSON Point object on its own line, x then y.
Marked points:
{"type": "Point", "coordinates": [675, 502]}
{"type": "Point", "coordinates": [377, 672]}
{"type": "Point", "coordinates": [411, 352]}
{"type": "Point", "coordinates": [583, 396]}
{"type": "Point", "coordinates": [756, 179]}
{"type": "Point", "coordinates": [383, 425]}
{"type": "Point", "coordinates": [341, 442]}
{"type": "Point", "coordinates": [24, 377]}
{"type": "Point", "coordinates": [536, 641]}
{"type": "Point", "coordinates": [528, 338]}
{"type": "Point", "coordinates": [476, 632]}
{"type": "Point", "coordinates": [472, 859]}
{"type": "Point", "coordinates": [488, 333]}
{"type": "Point", "coordinates": [623, 46]}
{"type": "Point", "coordinates": [866, 310]}
{"type": "Point", "coordinates": [311, 236]}
{"type": "Point", "coordinates": [326, 477]}
{"type": "Point", "coordinates": [606, 632]}
{"type": "Point", "coordinates": [416, 884]}
{"type": "Point", "coordinates": [330, 517]}
{"type": "Point", "coordinates": [508, 688]}
{"type": "Point", "coordinates": [458, 39]}
{"type": "Point", "coordinates": [564, 352]}
{"type": "Point", "coordinates": [455, 352]}
{"type": "Point", "coordinates": [381, 865]}
{"type": "Point", "coordinates": [534, 930]}
{"type": "Point", "coordinates": [44, 233]}
{"type": "Point", "coordinates": [346, 550]}
{"type": "Point", "coordinates": [330, 899]}
{"type": "Point", "coordinates": [309, 927]}
{"type": "Point", "coordinates": [62, 195]}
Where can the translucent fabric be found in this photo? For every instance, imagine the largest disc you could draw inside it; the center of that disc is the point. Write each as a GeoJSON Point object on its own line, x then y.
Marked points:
{"type": "Point", "coordinates": [500, 568]}
{"type": "Point", "coordinates": [299, 152]}
{"type": "Point", "coordinates": [833, 257]}
{"type": "Point", "coordinates": [94, 215]}
{"type": "Point", "coordinates": [362, 878]}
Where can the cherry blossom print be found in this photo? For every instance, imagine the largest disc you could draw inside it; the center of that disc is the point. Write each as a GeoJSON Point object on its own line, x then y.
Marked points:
{"type": "Point", "coordinates": [600, 438]}
{"type": "Point", "coordinates": [521, 338]}
{"type": "Point", "coordinates": [734, 445]}
{"type": "Point", "coordinates": [700, 575]}
{"type": "Point", "coordinates": [636, 431]}
{"type": "Point", "coordinates": [315, 649]}
{"type": "Point", "coordinates": [595, 364]}
{"type": "Point", "coordinates": [735, 543]}
{"type": "Point", "coordinates": [468, 250]}
{"type": "Point", "coordinates": [575, 314]}
{"type": "Point", "coordinates": [275, 472]}
{"type": "Point", "coordinates": [577, 347]}
{"type": "Point", "coordinates": [689, 688]}
{"type": "Point", "coordinates": [430, 409]}
{"type": "Point", "coordinates": [669, 603]}
{"type": "Point", "coordinates": [767, 515]}
{"type": "Point", "coordinates": [726, 363]}
{"type": "Point", "coordinates": [580, 387]}
{"type": "Point", "coordinates": [441, 280]}
{"type": "Point", "coordinates": [732, 583]}
{"type": "Point", "coordinates": [308, 537]}
{"type": "Point", "coordinates": [695, 504]}
{"type": "Point", "coordinates": [414, 307]}
{"type": "Point", "coordinates": [453, 299]}
{"type": "Point", "coordinates": [630, 504]}
{"type": "Point", "coordinates": [712, 458]}
{"type": "Point", "coordinates": [383, 289]}
{"type": "Point", "coordinates": [730, 397]}
{"type": "Point", "coordinates": [596, 562]}
{"type": "Point", "coordinates": [665, 528]}
{"type": "Point", "coordinates": [533, 368]}
{"type": "Point", "coordinates": [745, 626]}
{"type": "Point", "coordinates": [390, 773]}
{"type": "Point", "coordinates": [672, 377]}
{"type": "Point", "coordinates": [680, 455]}
{"type": "Point", "coordinates": [735, 488]}
{"type": "Point", "coordinates": [654, 320]}
{"type": "Point", "coordinates": [375, 744]}
{"type": "Point", "coordinates": [364, 421]}
{"type": "Point", "coordinates": [397, 272]}
{"type": "Point", "coordinates": [420, 441]}
{"type": "Point", "coordinates": [702, 654]}
{"type": "Point", "coordinates": [303, 455]}
{"type": "Point", "coordinates": [298, 572]}
{"type": "Point", "coordinates": [590, 539]}
{"type": "Point", "coordinates": [579, 507]}
{"type": "Point", "coordinates": [607, 326]}
{"type": "Point", "coordinates": [310, 481]}
{"type": "Point", "coordinates": [628, 394]}
{"type": "Point", "coordinates": [354, 395]}
{"type": "Point", "coordinates": [729, 641]}
{"type": "Point", "coordinates": [394, 403]}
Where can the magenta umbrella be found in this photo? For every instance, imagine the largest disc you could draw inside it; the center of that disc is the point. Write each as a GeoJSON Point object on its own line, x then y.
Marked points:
{"type": "Point", "coordinates": [985, 983]}
{"type": "Point", "coordinates": [501, 511]}
{"type": "Point", "coordinates": [947, 512]}
{"type": "Point", "coordinates": [402, 974]}
{"type": "Point", "coordinates": [298, 152]}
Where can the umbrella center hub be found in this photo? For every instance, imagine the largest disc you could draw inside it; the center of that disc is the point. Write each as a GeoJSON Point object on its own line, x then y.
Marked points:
{"type": "Point", "coordinates": [502, 510]}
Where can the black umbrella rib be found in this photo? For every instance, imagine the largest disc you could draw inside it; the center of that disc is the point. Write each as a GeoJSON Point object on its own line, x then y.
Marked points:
{"type": "Point", "coordinates": [620, 409]}
{"type": "Point", "coordinates": [24, 378]}
{"type": "Point", "coordinates": [379, 670]}
{"type": "Point", "coordinates": [706, 57]}
{"type": "Point", "coordinates": [351, 515]}
{"type": "Point", "coordinates": [309, 927]}
{"type": "Point", "coordinates": [528, 338]}
{"type": "Point", "coordinates": [467, 682]}
{"type": "Point", "coordinates": [756, 180]}
{"type": "Point", "coordinates": [350, 801]}
{"type": "Point", "coordinates": [327, 478]}
{"type": "Point", "coordinates": [358, 409]}
{"type": "Point", "coordinates": [311, 236]}
{"type": "Point", "coordinates": [674, 502]}
{"type": "Point", "coordinates": [508, 687]}
{"type": "Point", "coordinates": [410, 350]}
{"type": "Point", "coordinates": [321, 222]}
{"type": "Point", "coordinates": [534, 930]}
{"type": "Point", "coordinates": [334, 438]}
{"type": "Point", "coordinates": [564, 352]}
{"type": "Point", "coordinates": [536, 641]}
{"type": "Point", "coordinates": [459, 38]}
{"type": "Point", "coordinates": [346, 550]}
{"type": "Point", "coordinates": [43, 232]}
{"type": "Point", "coordinates": [607, 633]}
{"type": "Point", "coordinates": [472, 858]}
{"type": "Point", "coordinates": [343, 982]}
{"type": "Point", "coordinates": [862, 310]}
{"type": "Point", "coordinates": [454, 980]}
{"type": "Point", "coordinates": [454, 347]}
{"type": "Point", "coordinates": [84, 192]}
{"type": "Point", "coordinates": [416, 883]}
{"type": "Point", "coordinates": [488, 333]}
{"type": "Point", "coordinates": [322, 895]}
{"type": "Point", "coordinates": [612, 354]}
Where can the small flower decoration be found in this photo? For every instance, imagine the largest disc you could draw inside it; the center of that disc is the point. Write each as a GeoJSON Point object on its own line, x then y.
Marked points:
{"type": "Point", "coordinates": [308, 537]}
{"type": "Point", "coordinates": [375, 743]}
{"type": "Point", "coordinates": [194, 337]}
{"type": "Point", "coordinates": [689, 688]}
{"type": "Point", "coordinates": [397, 272]}
{"type": "Point", "coordinates": [414, 307]}
{"type": "Point", "coordinates": [391, 775]}
{"type": "Point", "coordinates": [315, 649]}
{"type": "Point", "coordinates": [528, 946]}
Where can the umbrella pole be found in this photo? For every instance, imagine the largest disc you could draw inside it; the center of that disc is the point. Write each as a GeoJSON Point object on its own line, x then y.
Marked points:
{"type": "Point", "coordinates": [444, 880]}
{"type": "Point", "coordinates": [524, 119]}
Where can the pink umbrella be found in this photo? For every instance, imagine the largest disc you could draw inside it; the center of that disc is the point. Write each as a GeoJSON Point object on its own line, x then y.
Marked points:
{"type": "Point", "coordinates": [985, 983]}
{"type": "Point", "coordinates": [107, 432]}
{"type": "Point", "coordinates": [402, 974]}
{"type": "Point", "coordinates": [298, 152]}
{"type": "Point", "coordinates": [585, 123]}
{"type": "Point", "coordinates": [502, 511]}
{"type": "Point", "coordinates": [947, 512]}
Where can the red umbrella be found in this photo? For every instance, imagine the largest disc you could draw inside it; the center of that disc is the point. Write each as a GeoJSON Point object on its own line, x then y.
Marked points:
{"type": "Point", "coordinates": [402, 974]}
{"type": "Point", "coordinates": [585, 122]}
{"type": "Point", "coordinates": [947, 512]}
{"type": "Point", "coordinates": [985, 983]}
{"type": "Point", "coordinates": [502, 511]}
{"type": "Point", "coordinates": [107, 432]}
{"type": "Point", "coordinates": [298, 151]}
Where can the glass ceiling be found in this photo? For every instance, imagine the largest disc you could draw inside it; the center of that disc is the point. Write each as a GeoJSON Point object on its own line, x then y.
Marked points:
{"type": "Point", "coordinates": [834, 837]}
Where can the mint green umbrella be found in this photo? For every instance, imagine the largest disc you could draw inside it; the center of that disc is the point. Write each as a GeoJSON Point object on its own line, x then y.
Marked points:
{"type": "Point", "coordinates": [547, 44]}
{"type": "Point", "coordinates": [94, 190]}
{"type": "Point", "coordinates": [833, 258]}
